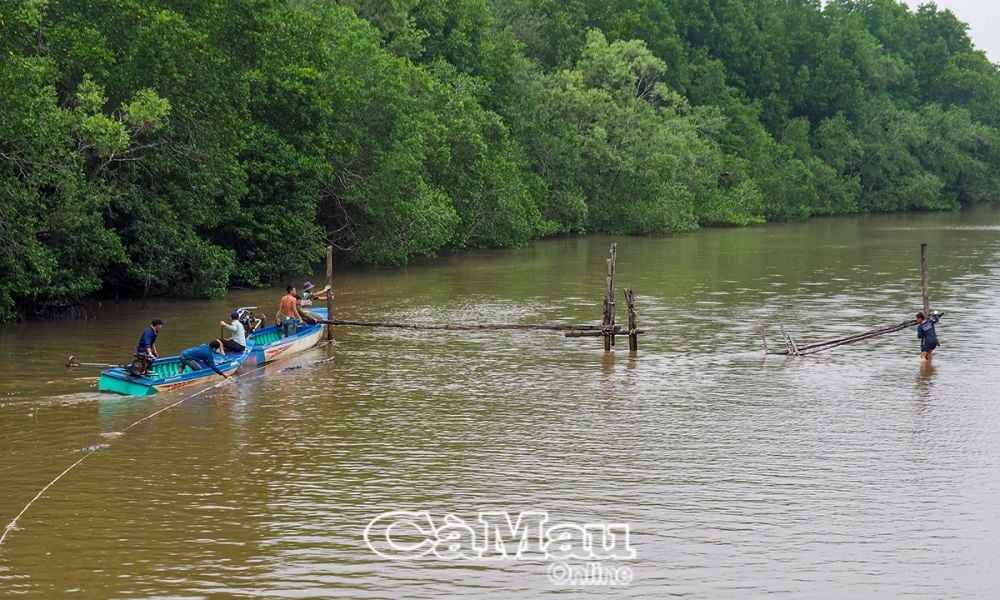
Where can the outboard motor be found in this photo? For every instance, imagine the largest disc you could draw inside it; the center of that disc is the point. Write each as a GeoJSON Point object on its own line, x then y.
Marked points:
{"type": "Point", "coordinates": [250, 320]}
{"type": "Point", "coordinates": [141, 366]}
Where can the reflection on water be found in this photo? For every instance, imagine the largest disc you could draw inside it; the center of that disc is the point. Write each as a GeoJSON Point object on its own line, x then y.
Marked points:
{"type": "Point", "coordinates": [857, 471]}
{"type": "Point", "coordinates": [925, 381]}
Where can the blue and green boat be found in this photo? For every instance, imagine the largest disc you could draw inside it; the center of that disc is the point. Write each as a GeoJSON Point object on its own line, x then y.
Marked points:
{"type": "Point", "coordinates": [164, 375]}
{"type": "Point", "coordinates": [268, 345]}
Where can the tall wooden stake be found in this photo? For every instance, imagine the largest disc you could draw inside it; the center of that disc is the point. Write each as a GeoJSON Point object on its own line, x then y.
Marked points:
{"type": "Point", "coordinates": [609, 300]}
{"type": "Point", "coordinates": [633, 337]}
{"type": "Point", "coordinates": [923, 279]}
{"type": "Point", "coordinates": [329, 291]}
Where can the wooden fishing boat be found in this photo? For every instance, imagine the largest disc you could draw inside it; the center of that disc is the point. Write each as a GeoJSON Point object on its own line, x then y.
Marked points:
{"type": "Point", "coordinates": [165, 377]}
{"type": "Point", "coordinates": [267, 345]}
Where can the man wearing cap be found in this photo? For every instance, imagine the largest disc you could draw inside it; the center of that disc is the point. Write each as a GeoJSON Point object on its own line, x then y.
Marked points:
{"type": "Point", "coordinates": [238, 341]}
{"type": "Point", "coordinates": [147, 343]}
{"type": "Point", "coordinates": [145, 350]}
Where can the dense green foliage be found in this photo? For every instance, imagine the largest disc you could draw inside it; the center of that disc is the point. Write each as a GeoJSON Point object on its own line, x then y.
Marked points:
{"type": "Point", "coordinates": [183, 146]}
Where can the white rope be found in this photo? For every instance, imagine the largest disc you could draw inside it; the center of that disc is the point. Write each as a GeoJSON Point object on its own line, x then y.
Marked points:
{"type": "Point", "coordinates": [13, 523]}
{"type": "Point", "coordinates": [185, 399]}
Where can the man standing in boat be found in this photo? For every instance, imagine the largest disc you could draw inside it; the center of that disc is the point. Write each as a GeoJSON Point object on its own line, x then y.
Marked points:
{"type": "Point", "coordinates": [308, 296]}
{"type": "Point", "coordinates": [306, 299]}
{"type": "Point", "coordinates": [204, 353]}
{"type": "Point", "coordinates": [926, 334]}
{"type": "Point", "coordinates": [145, 350]}
{"type": "Point", "coordinates": [288, 313]}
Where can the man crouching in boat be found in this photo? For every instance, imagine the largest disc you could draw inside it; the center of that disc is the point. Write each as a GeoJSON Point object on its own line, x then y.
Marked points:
{"type": "Point", "coordinates": [926, 334]}
{"type": "Point", "coordinates": [238, 340]}
{"type": "Point", "coordinates": [204, 353]}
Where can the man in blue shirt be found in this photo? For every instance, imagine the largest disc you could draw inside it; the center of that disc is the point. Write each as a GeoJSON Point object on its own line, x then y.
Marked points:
{"type": "Point", "coordinates": [147, 343]}
{"type": "Point", "coordinates": [203, 354]}
{"type": "Point", "coordinates": [926, 334]}
{"type": "Point", "coordinates": [145, 350]}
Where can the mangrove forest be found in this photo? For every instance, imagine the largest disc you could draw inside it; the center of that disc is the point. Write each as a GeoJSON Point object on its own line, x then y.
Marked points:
{"type": "Point", "coordinates": [181, 147]}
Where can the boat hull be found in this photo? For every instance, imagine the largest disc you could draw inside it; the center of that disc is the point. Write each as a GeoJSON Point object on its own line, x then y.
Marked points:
{"type": "Point", "coordinates": [166, 379]}
{"type": "Point", "coordinates": [268, 345]}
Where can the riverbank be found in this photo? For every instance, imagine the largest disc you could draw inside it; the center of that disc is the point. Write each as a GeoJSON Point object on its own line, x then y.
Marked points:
{"type": "Point", "coordinates": [848, 473]}
{"type": "Point", "coordinates": [83, 308]}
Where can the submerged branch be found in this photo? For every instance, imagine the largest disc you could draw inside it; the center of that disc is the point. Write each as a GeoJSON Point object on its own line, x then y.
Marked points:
{"type": "Point", "coordinates": [849, 339]}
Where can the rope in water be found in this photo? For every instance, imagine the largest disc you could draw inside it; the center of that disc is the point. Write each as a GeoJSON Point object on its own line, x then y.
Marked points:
{"type": "Point", "coordinates": [13, 523]}
{"type": "Point", "coordinates": [10, 527]}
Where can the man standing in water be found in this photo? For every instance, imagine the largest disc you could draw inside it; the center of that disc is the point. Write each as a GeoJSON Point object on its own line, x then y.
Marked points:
{"type": "Point", "coordinates": [926, 334]}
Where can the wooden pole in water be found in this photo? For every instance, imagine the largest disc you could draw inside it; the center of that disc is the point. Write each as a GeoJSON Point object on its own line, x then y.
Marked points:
{"type": "Point", "coordinates": [609, 299]}
{"type": "Point", "coordinates": [633, 337]}
{"type": "Point", "coordinates": [923, 280]}
{"type": "Point", "coordinates": [329, 291]}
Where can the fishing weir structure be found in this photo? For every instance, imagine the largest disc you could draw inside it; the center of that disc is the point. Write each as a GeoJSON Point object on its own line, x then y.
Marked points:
{"type": "Point", "coordinates": [608, 329]}
{"type": "Point", "coordinates": [793, 349]}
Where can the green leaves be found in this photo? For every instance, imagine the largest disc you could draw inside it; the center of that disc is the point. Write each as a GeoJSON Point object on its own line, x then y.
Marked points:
{"type": "Point", "coordinates": [151, 147]}
{"type": "Point", "coordinates": [54, 245]}
{"type": "Point", "coordinates": [147, 112]}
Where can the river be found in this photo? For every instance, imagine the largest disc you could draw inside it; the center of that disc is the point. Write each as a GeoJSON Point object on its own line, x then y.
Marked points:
{"type": "Point", "coordinates": [853, 472]}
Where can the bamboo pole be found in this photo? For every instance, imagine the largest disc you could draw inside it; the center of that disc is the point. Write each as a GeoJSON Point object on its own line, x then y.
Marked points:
{"type": "Point", "coordinates": [329, 291]}
{"type": "Point", "coordinates": [609, 298]}
{"type": "Point", "coordinates": [791, 348]}
{"type": "Point", "coordinates": [850, 339]}
{"type": "Point", "coordinates": [827, 346]}
{"type": "Point", "coordinates": [923, 280]}
{"type": "Point", "coordinates": [862, 335]}
{"type": "Point", "coordinates": [633, 339]}
{"type": "Point", "coordinates": [597, 329]}
{"type": "Point", "coordinates": [790, 343]}
{"type": "Point", "coordinates": [73, 362]}
{"type": "Point", "coordinates": [613, 332]}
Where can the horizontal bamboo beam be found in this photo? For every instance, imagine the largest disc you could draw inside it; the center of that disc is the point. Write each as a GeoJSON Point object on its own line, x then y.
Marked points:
{"type": "Point", "coordinates": [850, 339]}
{"type": "Point", "coordinates": [467, 326]}
{"type": "Point", "coordinates": [73, 362]}
{"type": "Point", "coordinates": [828, 344]}
{"type": "Point", "coordinates": [617, 331]}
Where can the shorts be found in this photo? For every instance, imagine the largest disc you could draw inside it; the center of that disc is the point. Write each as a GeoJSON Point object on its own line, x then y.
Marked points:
{"type": "Point", "coordinates": [289, 326]}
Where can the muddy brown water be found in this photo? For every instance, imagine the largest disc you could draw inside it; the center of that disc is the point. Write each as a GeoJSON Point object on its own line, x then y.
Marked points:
{"type": "Point", "coordinates": [854, 472]}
